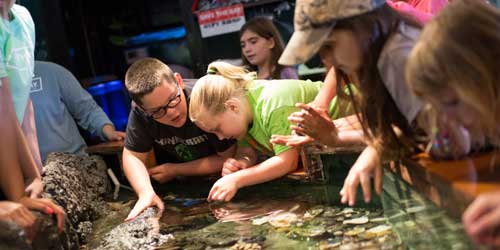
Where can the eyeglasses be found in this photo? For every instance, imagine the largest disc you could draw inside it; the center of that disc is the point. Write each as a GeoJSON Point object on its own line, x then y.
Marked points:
{"type": "Point", "coordinates": [162, 111]}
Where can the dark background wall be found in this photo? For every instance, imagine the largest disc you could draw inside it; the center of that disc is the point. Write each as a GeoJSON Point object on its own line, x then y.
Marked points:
{"type": "Point", "coordinates": [90, 38]}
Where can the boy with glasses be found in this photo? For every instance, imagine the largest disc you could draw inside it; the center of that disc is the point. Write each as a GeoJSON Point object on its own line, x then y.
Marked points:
{"type": "Point", "coordinates": [159, 121]}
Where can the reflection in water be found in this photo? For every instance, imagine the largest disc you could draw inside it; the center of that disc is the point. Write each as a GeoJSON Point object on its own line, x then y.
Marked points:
{"type": "Point", "coordinates": [238, 211]}
{"type": "Point", "coordinates": [293, 215]}
{"type": "Point", "coordinates": [277, 215]}
{"type": "Point", "coordinates": [419, 223]}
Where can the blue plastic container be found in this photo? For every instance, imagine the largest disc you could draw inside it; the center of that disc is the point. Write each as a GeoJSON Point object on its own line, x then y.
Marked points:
{"type": "Point", "coordinates": [113, 99]}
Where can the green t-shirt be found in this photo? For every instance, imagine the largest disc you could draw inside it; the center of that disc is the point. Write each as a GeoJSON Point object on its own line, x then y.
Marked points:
{"type": "Point", "coordinates": [271, 103]}
{"type": "Point", "coordinates": [17, 61]}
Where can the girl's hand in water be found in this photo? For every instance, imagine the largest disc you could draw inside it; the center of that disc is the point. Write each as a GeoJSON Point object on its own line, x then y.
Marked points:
{"type": "Point", "coordinates": [314, 123]}
{"type": "Point", "coordinates": [224, 189]}
{"type": "Point", "coordinates": [367, 165]}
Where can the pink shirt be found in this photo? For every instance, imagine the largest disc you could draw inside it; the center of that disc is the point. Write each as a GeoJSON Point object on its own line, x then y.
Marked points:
{"type": "Point", "coordinates": [421, 10]}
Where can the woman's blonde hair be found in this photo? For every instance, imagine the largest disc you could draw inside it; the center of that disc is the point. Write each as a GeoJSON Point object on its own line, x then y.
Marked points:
{"type": "Point", "coordinates": [223, 82]}
{"type": "Point", "coordinates": [459, 50]}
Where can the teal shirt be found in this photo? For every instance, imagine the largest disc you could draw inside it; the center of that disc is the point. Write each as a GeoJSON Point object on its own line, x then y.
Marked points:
{"type": "Point", "coordinates": [17, 40]}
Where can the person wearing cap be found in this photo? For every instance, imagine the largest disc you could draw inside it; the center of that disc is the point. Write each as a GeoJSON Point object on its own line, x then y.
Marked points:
{"type": "Point", "coordinates": [370, 45]}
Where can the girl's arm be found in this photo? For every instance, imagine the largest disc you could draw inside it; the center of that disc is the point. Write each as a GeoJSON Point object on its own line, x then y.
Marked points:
{"type": "Point", "coordinates": [327, 92]}
{"type": "Point", "coordinates": [277, 166]}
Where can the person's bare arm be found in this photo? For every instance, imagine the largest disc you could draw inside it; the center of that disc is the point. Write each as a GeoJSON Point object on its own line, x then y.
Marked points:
{"type": "Point", "coordinates": [29, 130]}
{"type": "Point", "coordinates": [135, 169]}
{"type": "Point", "coordinates": [33, 168]}
{"type": "Point", "coordinates": [11, 176]}
{"type": "Point", "coordinates": [227, 186]}
{"type": "Point", "coordinates": [203, 166]}
{"type": "Point", "coordinates": [327, 92]}
{"type": "Point", "coordinates": [270, 169]}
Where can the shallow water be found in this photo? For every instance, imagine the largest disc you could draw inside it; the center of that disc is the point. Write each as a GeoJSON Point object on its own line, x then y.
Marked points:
{"type": "Point", "coordinates": [253, 217]}
{"type": "Point", "coordinates": [287, 214]}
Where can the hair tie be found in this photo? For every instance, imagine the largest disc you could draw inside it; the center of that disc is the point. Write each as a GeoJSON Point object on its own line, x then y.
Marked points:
{"type": "Point", "coordinates": [211, 71]}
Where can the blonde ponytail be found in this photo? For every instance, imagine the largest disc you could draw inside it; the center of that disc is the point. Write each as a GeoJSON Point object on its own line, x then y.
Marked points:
{"type": "Point", "coordinates": [222, 82]}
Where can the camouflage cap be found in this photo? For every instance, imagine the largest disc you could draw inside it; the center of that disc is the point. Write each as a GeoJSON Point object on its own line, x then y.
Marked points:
{"type": "Point", "coordinates": [313, 21]}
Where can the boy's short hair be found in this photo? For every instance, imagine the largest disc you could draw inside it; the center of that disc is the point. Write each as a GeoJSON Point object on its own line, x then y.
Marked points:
{"type": "Point", "coordinates": [145, 75]}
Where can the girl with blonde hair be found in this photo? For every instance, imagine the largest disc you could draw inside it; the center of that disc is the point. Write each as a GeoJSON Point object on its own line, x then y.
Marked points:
{"type": "Point", "coordinates": [455, 67]}
{"type": "Point", "coordinates": [231, 104]}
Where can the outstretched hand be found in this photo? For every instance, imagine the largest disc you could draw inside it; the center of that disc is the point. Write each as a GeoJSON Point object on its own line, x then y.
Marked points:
{"type": "Point", "coordinates": [367, 165]}
{"type": "Point", "coordinates": [224, 189]}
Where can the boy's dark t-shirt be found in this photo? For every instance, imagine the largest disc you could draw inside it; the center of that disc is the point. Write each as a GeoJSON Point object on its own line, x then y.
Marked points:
{"type": "Point", "coordinates": [171, 144]}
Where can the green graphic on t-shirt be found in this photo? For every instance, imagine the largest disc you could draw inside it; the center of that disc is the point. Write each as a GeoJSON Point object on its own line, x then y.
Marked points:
{"type": "Point", "coordinates": [185, 152]}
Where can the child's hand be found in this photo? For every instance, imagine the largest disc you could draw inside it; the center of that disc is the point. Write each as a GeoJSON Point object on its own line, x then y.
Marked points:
{"type": "Point", "coordinates": [482, 219]}
{"type": "Point", "coordinates": [366, 166]}
{"type": "Point", "coordinates": [145, 201]}
{"type": "Point", "coordinates": [111, 134]}
{"type": "Point", "coordinates": [19, 214]}
{"type": "Point", "coordinates": [47, 206]}
{"type": "Point", "coordinates": [224, 189]}
{"type": "Point", "coordinates": [231, 165]}
{"type": "Point", "coordinates": [34, 188]}
{"type": "Point", "coordinates": [163, 173]}
{"type": "Point", "coordinates": [291, 140]}
{"type": "Point", "coordinates": [315, 124]}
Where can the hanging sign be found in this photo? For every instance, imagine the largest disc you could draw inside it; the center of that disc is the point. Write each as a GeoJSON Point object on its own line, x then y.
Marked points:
{"type": "Point", "coordinates": [221, 20]}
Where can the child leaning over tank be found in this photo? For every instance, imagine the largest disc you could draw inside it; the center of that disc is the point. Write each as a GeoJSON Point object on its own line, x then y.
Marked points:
{"type": "Point", "coordinates": [454, 67]}
{"type": "Point", "coordinates": [159, 121]}
{"type": "Point", "coordinates": [230, 103]}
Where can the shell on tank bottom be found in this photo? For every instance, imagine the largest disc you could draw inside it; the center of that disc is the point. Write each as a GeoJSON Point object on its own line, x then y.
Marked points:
{"type": "Point", "coordinates": [284, 219]}
{"type": "Point", "coordinates": [357, 221]}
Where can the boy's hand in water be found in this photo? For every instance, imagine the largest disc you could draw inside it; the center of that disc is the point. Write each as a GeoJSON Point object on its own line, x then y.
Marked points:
{"type": "Point", "coordinates": [367, 165]}
{"type": "Point", "coordinates": [145, 201]}
{"type": "Point", "coordinates": [231, 165]}
{"type": "Point", "coordinates": [314, 123]}
{"type": "Point", "coordinates": [224, 189]}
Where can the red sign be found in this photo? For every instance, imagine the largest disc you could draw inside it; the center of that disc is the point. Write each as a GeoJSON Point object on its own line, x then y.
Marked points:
{"type": "Point", "coordinates": [221, 20]}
